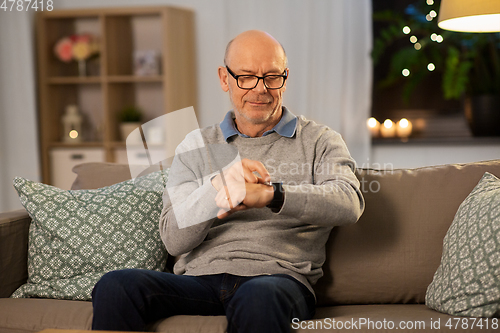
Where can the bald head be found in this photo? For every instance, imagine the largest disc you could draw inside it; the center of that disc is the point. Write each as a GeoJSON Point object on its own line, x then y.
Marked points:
{"type": "Point", "coordinates": [254, 41]}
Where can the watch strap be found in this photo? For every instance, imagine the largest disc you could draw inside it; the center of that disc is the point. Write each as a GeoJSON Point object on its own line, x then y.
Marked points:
{"type": "Point", "coordinates": [278, 198]}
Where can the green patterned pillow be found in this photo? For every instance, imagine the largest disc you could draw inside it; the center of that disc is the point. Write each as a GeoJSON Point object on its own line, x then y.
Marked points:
{"type": "Point", "coordinates": [467, 283]}
{"type": "Point", "coordinates": [77, 236]}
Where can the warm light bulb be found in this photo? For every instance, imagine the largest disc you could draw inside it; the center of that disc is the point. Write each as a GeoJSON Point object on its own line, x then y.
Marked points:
{"type": "Point", "coordinates": [388, 130]}
{"type": "Point", "coordinates": [372, 122]}
{"type": "Point", "coordinates": [404, 128]}
{"type": "Point", "coordinates": [433, 13]}
{"type": "Point", "coordinates": [406, 30]}
{"type": "Point", "coordinates": [373, 126]}
{"type": "Point", "coordinates": [430, 2]}
{"type": "Point", "coordinates": [434, 37]}
{"type": "Point", "coordinates": [405, 72]}
{"type": "Point", "coordinates": [428, 17]}
{"type": "Point", "coordinates": [73, 134]}
{"type": "Point", "coordinates": [417, 46]}
{"type": "Point", "coordinates": [439, 38]}
{"type": "Point", "coordinates": [413, 39]}
{"type": "Point", "coordinates": [431, 67]}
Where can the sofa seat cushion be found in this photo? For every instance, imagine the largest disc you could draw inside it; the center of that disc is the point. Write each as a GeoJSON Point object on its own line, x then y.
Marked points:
{"type": "Point", "coordinates": [414, 316]}
{"type": "Point", "coordinates": [191, 324]}
{"type": "Point", "coordinates": [25, 315]}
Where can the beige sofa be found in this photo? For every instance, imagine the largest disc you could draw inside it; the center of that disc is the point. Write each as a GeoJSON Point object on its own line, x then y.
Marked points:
{"type": "Point", "coordinates": [376, 273]}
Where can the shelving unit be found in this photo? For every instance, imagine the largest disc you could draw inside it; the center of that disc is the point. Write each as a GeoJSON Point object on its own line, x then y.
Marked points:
{"type": "Point", "coordinates": [111, 84]}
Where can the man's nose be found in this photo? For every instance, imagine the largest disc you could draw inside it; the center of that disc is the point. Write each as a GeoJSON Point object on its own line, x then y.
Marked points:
{"type": "Point", "coordinates": [260, 87]}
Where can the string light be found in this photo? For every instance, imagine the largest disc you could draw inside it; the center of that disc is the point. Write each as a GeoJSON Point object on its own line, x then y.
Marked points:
{"type": "Point", "coordinates": [434, 37]}
{"type": "Point", "coordinates": [430, 2]}
{"type": "Point", "coordinates": [439, 39]}
{"type": "Point", "coordinates": [405, 72]}
{"type": "Point", "coordinates": [417, 46]}
{"type": "Point", "coordinates": [406, 30]}
{"type": "Point", "coordinates": [428, 17]}
{"type": "Point", "coordinates": [431, 67]}
{"type": "Point", "coordinates": [433, 13]}
{"type": "Point", "coordinates": [413, 39]}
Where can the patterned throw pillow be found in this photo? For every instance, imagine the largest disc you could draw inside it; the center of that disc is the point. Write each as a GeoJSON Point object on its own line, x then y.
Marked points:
{"type": "Point", "coordinates": [77, 236]}
{"type": "Point", "coordinates": [467, 283]}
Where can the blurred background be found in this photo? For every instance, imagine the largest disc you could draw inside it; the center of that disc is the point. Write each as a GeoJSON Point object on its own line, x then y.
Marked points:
{"type": "Point", "coordinates": [349, 61]}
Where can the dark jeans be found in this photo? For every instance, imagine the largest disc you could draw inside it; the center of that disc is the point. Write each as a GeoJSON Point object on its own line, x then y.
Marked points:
{"type": "Point", "coordinates": [128, 300]}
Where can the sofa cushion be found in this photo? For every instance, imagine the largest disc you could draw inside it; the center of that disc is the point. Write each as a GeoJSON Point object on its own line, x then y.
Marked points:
{"type": "Point", "coordinates": [391, 254]}
{"type": "Point", "coordinates": [467, 283]}
{"type": "Point", "coordinates": [388, 318]}
{"type": "Point", "coordinates": [33, 315]}
{"type": "Point", "coordinates": [78, 235]}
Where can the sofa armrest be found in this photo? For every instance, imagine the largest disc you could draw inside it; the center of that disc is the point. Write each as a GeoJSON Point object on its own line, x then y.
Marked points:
{"type": "Point", "coordinates": [14, 228]}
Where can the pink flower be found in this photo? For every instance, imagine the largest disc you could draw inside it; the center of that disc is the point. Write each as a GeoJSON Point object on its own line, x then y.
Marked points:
{"type": "Point", "coordinates": [64, 49]}
{"type": "Point", "coordinates": [76, 47]}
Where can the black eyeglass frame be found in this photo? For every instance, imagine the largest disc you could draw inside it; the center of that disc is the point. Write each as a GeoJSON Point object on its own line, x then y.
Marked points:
{"type": "Point", "coordinates": [284, 76]}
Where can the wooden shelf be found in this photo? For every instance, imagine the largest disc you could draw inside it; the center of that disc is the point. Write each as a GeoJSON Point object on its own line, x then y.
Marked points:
{"type": "Point", "coordinates": [75, 80]}
{"type": "Point", "coordinates": [100, 97]}
{"type": "Point", "coordinates": [134, 79]}
{"type": "Point", "coordinates": [76, 145]}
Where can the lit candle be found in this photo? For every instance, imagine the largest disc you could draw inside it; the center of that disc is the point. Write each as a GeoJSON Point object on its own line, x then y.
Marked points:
{"type": "Point", "coordinates": [388, 129]}
{"type": "Point", "coordinates": [404, 128]}
{"type": "Point", "coordinates": [373, 126]}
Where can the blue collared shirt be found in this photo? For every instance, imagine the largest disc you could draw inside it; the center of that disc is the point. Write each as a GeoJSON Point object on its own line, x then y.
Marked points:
{"type": "Point", "coordinates": [285, 127]}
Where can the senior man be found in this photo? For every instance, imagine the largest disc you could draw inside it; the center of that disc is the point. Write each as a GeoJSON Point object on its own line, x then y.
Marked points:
{"type": "Point", "coordinates": [256, 258]}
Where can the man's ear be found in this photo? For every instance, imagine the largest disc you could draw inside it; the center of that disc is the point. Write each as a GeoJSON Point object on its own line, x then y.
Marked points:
{"type": "Point", "coordinates": [287, 75]}
{"type": "Point", "coordinates": [223, 78]}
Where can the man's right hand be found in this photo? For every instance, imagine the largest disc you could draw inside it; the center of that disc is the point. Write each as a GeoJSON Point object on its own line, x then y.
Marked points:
{"type": "Point", "coordinates": [236, 179]}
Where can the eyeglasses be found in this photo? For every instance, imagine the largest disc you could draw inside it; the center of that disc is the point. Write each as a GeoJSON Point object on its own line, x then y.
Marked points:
{"type": "Point", "coordinates": [249, 82]}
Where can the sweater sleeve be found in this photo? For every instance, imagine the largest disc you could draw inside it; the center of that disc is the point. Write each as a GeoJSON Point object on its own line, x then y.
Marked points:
{"type": "Point", "coordinates": [334, 198]}
{"type": "Point", "coordinates": [189, 207]}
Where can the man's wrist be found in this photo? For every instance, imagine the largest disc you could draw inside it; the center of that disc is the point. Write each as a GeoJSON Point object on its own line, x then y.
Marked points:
{"type": "Point", "coordinates": [278, 199]}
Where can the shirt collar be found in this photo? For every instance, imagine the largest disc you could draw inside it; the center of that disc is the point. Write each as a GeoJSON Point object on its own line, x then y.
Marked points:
{"type": "Point", "coordinates": [285, 127]}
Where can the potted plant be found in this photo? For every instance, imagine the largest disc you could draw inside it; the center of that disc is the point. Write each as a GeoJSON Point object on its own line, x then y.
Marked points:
{"type": "Point", "coordinates": [130, 118]}
{"type": "Point", "coordinates": [469, 63]}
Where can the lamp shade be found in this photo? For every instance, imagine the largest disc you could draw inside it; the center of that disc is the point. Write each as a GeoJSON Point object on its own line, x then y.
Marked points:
{"type": "Point", "coordinates": [470, 15]}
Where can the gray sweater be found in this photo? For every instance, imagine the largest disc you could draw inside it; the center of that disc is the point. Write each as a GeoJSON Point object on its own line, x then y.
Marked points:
{"type": "Point", "coordinates": [321, 192]}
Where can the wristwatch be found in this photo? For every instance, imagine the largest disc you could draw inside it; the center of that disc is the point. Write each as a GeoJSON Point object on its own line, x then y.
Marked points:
{"type": "Point", "coordinates": [278, 198]}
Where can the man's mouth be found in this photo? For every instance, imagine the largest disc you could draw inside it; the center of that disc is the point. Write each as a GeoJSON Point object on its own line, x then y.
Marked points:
{"type": "Point", "coordinates": [258, 102]}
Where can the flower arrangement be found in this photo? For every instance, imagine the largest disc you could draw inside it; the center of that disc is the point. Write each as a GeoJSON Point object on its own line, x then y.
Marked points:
{"type": "Point", "coordinates": [76, 47]}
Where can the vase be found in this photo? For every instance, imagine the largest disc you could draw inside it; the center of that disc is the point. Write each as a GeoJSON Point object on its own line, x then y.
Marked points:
{"type": "Point", "coordinates": [82, 68]}
{"type": "Point", "coordinates": [483, 114]}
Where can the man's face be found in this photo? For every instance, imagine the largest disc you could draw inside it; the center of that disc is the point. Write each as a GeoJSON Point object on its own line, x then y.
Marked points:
{"type": "Point", "coordinates": [259, 105]}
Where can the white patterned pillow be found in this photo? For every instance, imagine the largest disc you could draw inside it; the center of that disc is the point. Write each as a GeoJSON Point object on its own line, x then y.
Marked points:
{"type": "Point", "coordinates": [467, 283]}
{"type": "Point", "coordinates": [77, 236]}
